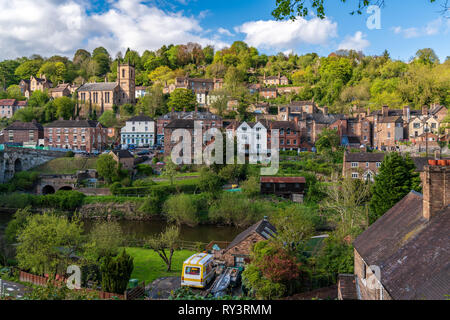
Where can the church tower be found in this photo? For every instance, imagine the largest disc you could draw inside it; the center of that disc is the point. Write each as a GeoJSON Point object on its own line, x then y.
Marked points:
{"type": "Point", "coordinates": [126, 80]}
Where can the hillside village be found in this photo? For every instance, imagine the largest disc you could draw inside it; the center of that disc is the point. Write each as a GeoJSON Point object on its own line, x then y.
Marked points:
{"type": "Point", "coordinates": [358, 210]}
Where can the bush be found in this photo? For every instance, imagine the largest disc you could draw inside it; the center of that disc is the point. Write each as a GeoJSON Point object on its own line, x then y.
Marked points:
{"type": "Point", "coordinates": [236, 209]}
{"type": "Point", "coordinates": [145, 169]}
{"type": "Point", "coordinates": [69, 154]}
{"type": "Point", "coordinates": [251, 187]}
{"type": "Point", "coordinates": [183, 209]}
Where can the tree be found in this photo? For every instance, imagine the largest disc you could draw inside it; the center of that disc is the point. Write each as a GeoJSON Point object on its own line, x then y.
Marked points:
{"type": "Point", "coordinates": [116, 272]}
{"type": "Point", "coordinates": [105, 238]}
{"type": "Point", "coordinates": [272, 272]}
{"type": "Point", "coordinates": [396, 178]}
{"type": "Point", "coordinates": [346, 200]}
{"type": "Point", "coordinates": [209, 181]}
{"type": "Point", "coordinates": [107, 167]}
{"type": "Point", "coordinates": [251, 187]}
{"type": "Point", "coordinates": [426, 56]}
{"type": "Point", "coordinates": [108, 119]}
{"type": "Point", "coordinates": [327, 139]}
{"type": "Point", "coordinates": [167, 241]}
{"type": "Point", "coordinates": [47, 242]}
{"type": "Point", "coordinates": [28, 69]}
{"type": "Point", "coordinates": [65, 107]}
{"type": "Point", "coordinates": [161, 74]}
{"type": "Point", "coordinates": [182, 209]}
{"type": "Point", "coordinates": [38, 99]}
{"type": "Point", "coordinates": [16, 225]}
{"type": "Point", "coordinates": [294, 226]}
{"type": "Point", "coordinates": [169, 170]}
{"type": "Point", "coordinates": [181, 99]}
{"type": "Point", "coordinates": [14, 92]}
{"type": "Point", "coordinates": [153, 103]}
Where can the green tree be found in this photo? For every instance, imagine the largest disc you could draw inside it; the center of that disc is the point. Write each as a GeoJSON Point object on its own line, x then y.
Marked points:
{"type": "Point", "coordinates": [182, 98]}
{"type": "Point", "coordinates": [16, 225]}
{"type": "Point", "coordinates": [182, 209]}
{"type": "Point", "coordinates": [105, 238]}
{"type": "Point", "coordinates": [170, 170]}
{"type": "Point", "coordinates": [108, 119]}
{"type": "Point", "coordinates": [397, 177]}
{"type": "Point", "coordinates": [165, 245]}
{"type": "Point", "coordinates": [328, 139]}
{"type": "Point", "coordinates": [251, 187]}
{"type": "Point", "coordinates": [107, 167]}
{"type": "Point", "coordinates": [210, 181]}
{"type": "Point", "coordinates": [47, 242]}
{"type": "Point", "coordinates": [65, 107]}
{"type": "Point", "coordinates": [116, 272]}
{"type": "Point", "coordinates": [28, 68]}
{"type": "Point", "coordinates": [38, 99]}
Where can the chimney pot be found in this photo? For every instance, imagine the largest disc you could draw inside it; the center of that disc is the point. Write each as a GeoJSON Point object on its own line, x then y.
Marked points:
{"type": "Point", "coordinates": [436, 185]}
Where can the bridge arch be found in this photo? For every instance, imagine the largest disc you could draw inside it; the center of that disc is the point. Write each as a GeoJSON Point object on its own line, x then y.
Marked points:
{"type": "Point", "coordinates": [65, 188]}
{"type": "Point", "coordinates": [48, 189]}
{"type": "Point", "coordinates": [18, 165]}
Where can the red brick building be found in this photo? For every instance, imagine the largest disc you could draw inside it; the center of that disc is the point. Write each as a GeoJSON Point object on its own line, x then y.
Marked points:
{"type": "Point", "coordinates": [80, 135]}
{"type": "Point", "coordinates": [238, 252]}
{"type": "Point", "coordinates": [268, 93]}
{"type": "Point", "coordinates": [23, 132]}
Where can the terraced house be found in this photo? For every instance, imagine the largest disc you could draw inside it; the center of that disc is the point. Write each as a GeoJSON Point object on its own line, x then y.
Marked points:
{"type": "Point", "coordinates": [77, 135]}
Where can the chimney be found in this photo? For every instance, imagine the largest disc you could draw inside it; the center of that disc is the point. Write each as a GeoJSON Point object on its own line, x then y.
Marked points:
{"type": "Point", "coordinates": [436, 188]}
{"type": "Point", "coordinates": [385, 111]}
{"type": "Point", "coordinates": [424, 110]}
{"type": "Point", "coordinates": [406, 113]}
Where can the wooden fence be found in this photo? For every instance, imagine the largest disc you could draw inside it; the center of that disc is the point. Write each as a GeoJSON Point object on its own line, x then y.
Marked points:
{"type": "Point", "coordinates": [42, 281]}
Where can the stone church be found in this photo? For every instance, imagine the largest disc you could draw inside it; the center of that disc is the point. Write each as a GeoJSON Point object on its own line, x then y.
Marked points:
{"type": "Point", "coordinates": [102, 96]}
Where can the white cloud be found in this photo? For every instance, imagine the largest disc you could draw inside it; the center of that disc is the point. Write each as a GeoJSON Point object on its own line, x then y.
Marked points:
{"type": "Point", "coordinates": [356, 42]}
{"type": "Point", "coordinates": [225, 32]}
{"type": "Point", "coordinates": [437, 26]}
{"type": "Point", "coordinates": [51, 27]}
{"type": "Point", "coordinates": [288, 34]}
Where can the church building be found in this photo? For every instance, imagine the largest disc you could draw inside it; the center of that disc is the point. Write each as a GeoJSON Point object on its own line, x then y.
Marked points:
{"type": "Point", "coordinates": [102, 96]}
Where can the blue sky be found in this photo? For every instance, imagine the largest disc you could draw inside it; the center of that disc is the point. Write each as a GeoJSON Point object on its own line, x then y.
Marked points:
{"type": "Point", "coordinates": [51, 27]}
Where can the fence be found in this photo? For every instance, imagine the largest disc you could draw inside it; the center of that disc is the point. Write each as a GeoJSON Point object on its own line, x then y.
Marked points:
{"type": "Point", "coordinates": [42, 281]}
{"type": "Point", "coordinates": [135, 293]}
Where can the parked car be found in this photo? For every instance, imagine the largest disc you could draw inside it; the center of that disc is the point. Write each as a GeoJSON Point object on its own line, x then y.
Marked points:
{"type": "Point", "coordinates": [143, 152]}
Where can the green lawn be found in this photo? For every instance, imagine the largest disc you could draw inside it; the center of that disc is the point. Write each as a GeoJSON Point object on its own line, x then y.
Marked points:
{"type": "Point", "coordinates": [149, 266]}
{"type": "Point", "coordinates": [67, 165]}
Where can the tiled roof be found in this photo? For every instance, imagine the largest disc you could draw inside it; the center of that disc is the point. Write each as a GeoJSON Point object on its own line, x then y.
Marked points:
{"type": "Point", "coordinates": [390, 119]}
{"type": "Point", "coordinates": [181, 123]}
{"type": "Point", "coordinates": [263, 228]}
{"type": "Point", "coordinates": [364, 157]}
{"type": "Point", "coordinates": [73, 124]}
{"type": "Point", "coordinates": [122, 154]}
{"type": "Point", "coordinates": [141, 118]}
{"type": "Point", "coordinates": [347, 287]}
{"type": "Point", "coordinates": [283, 180]}
{"type": "Point", "coordinates": [101, 86]}
{"type": "Point", "coordinates": [412, 252]}
{"type": "Point", "coordinates": [18, 125]}
{"type": "Point", "coordinates": [7, 102]}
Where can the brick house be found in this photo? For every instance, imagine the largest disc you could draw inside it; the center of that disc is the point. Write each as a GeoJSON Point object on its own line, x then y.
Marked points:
{"type": "Point", "coordinates": [202, 88]}
{"type": "Point", "coordinates": [24, 132]}
{"type": "Point", "coordinates": [61, 90]}
{"type": "Point", "coordinates": [9, 106]}
{"type": "Point", "coordinates": [275, 80]}
{"type": "Point", "coordinates": [268, 93]}
{"type": "Point", "coordinates": [405, 254]}
{"type": "Point", "coordinates": [387, 130]}
{"type": "Point", "coordinates": [209, 118]}
{"type": "Point", "coordinates": [123, 157]}
{"type": "Point", "coordinates": [362, 165]}
{"type": "Point", "coordinates": [80, 135]}
{"type": "Point", "coordinates": [238, 252]}
{"type": "Point", "coordinates": [207, 122]}
{"type": "Point", "coordinates": [27, 87]}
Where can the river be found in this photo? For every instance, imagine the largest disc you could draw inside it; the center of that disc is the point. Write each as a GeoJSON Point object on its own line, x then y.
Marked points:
{"type": "Point", "coordinates": [145, 229]}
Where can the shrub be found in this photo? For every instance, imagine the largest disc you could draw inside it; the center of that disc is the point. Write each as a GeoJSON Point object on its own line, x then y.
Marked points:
{"type": "Point", "coordinates": [251, 187]}
{"type": "Point", "coordinates": [182, 209]}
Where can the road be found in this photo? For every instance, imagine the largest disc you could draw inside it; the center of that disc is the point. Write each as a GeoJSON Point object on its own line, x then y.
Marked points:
{"type": "Point", "coordinates": [14, 289]}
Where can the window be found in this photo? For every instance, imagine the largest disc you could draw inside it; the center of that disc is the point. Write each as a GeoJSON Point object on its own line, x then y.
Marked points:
{"type": "Point", "coordinates": [355, 164]}
{"type": "Point", "coordinates": [123, 73]}
{"type": "Point", "coordinates": [416, 125]}
{"type": "Point", "coordinates": [239, 261]}
{"type": "Point", "coordinates": [378, 164]}
{"type": "Point", "coordinates": [193, 271]}
{"type": "Point", "coordinates": [355, 175]}
{"type": "Point", "coordinates": [282, 141]}
{"type": "Point", "coordinates": [389, 135]}
{"type": "Point", "coordinates": [388, 125]}
{"type": "Point", "coordinates": [367, 164]}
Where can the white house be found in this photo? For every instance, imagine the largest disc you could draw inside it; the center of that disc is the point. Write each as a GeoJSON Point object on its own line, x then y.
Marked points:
{"type": "Point", "coordinates": [138, 131]}
{"type": "Point", "coordinates": [252, 140]}
{"type": "Point", "coordinates": [140, 92]}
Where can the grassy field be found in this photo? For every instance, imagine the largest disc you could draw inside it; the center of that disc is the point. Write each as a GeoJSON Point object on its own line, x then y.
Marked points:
{"type": "Point", "coordinates": [66, 165]}
{"type": "Point", "coordinates": [149, 266]}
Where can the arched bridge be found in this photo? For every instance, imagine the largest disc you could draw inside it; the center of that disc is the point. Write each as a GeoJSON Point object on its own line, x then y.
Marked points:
{"type": "Point", "coordinates": [49, 184]}
{"type": "Point", "coordinates": [15, 159]}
